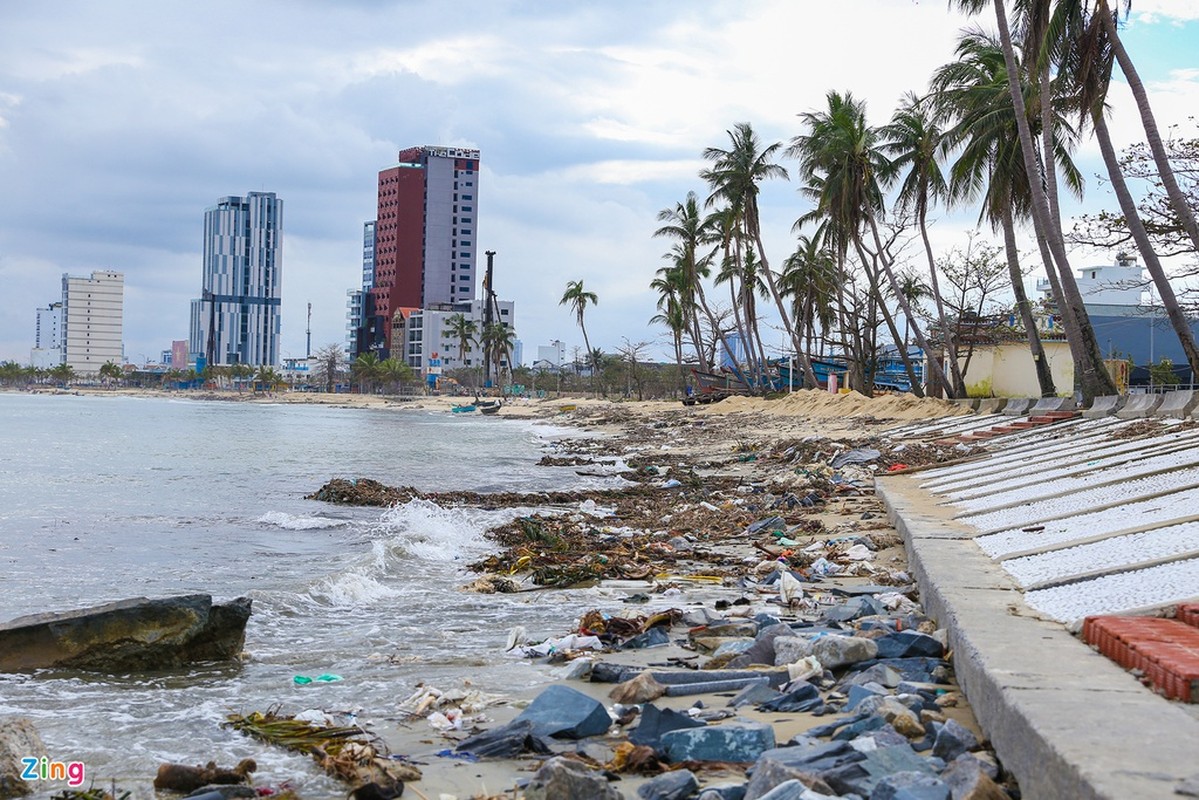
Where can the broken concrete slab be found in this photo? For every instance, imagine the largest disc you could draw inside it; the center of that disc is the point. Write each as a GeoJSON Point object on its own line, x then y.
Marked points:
{"type": "Point", "coordinates": [565, 713]}
{"type": "Point", "coordinates": [1178, 405]}
{"type": "Point", "coordinates": [128, 635]}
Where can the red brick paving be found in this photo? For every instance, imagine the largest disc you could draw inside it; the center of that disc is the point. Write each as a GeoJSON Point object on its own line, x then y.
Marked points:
{"type": "Point", "coordinates": [1164, 651]}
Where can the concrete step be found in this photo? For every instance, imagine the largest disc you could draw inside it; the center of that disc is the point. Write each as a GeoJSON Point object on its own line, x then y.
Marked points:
{"type": "Point", "coordinates": [1164, 651]}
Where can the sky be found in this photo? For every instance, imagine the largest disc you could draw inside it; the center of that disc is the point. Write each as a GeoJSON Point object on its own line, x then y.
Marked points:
{"type": "Point", "coordinates": [120, 122]}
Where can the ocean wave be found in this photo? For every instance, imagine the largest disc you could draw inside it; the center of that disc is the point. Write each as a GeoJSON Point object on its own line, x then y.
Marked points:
{"type": "Point", "coordinates": [428, 531]}
{"type": "Point", "coordinates": [292, 522]}
{"type": "Point", "coordinates": [351, 589]}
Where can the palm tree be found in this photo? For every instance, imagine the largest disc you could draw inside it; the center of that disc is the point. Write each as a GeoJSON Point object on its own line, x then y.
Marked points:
{"type": "Point", "coordinates": [733, 178]}
{"type": "Point", "coordinates": [109, 371]}
{"type": "Point", "coordinates": [972, 92]}
{"type": "Point", "coordinates": [464, 331]}
{"type": "Point", "coordinates": [394, 372]}
{"type": "Point", "coordinates": [686, 227]}
{"type": "Point", "coordinates": [918, 145]}
{"type": "Point", "coordinates": [266, 376]}
{"type": "Point", "coordinates": [578, 299]}
{"type": "Point", "coordinates": [498, 340]}
{"type": "Point", "coordinates": [810, 279]}
{"type": "Point", "coordinates": [62, 374]}
{"type": "Point", "coordinates": [670, 286]}
{"type": "Point", "coordinates": [842, 161]}
{"type": "Point", "coordinates": [1093, 379]}
{"type": "Point", "coordinates": [1089, 56]}
{"type": "Point", "coordinates": [366, 370]}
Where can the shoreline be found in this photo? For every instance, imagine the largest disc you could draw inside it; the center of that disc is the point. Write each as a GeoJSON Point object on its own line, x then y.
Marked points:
{"type": "Point", "coordinates": [739, 442]}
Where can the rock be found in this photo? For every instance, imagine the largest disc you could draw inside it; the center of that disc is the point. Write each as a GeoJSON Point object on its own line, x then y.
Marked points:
{"type": "Point", "coordinates": [804, 697]}
{"type": "Point", "coordinates": [762, 650]}
{"type": "Point", "coordinates": [859, 693]}
{"type": "Point", "coordinates": [565, 713]}
{"type": "Point", "coordinates": [953, 739]}
{"type": "Point", "coordinates": [185, 778]}
{"type": "Point", "coordinates": [789, 649]}
{"type": "Point", "coordinates": [563, 779]}
{"type": "Point", "coordinates": [788, 790]}
{"type": "Point", "coordinates": [731, 629]}
{"type": "Point", "coordinates": [670, 786]}
{"type": "Point", "coordinates": [754, 694]}
{"type": "Point", "coordinates": [882, 674]}
{"type": "Point", "coordinates": [910, 786]}
{"type": "Point", "coordinates": [18, 739]}
{"type": "Point", "coordinates": [837, 651]}
{"type": "Point", "coordinates": [804, 761]}
{"type": "Point", "coordinates": [655, 722]}
{"type": "Point", "coordinates": [735, 742]}
{"type": "Point", "coordinates": [909, 643]}
{"type": "Point", "coordinates": [642, 689]}
{"type": "Point", "coordinates": [901, 718]}
{"type": "Point", "coordinates": [507, 741]}
{"type": "Point", "coordinates": [723, 792]}
{"type": "Point", "coordinates": [654, 637]}
{"type": "Point", "coordinates": [967, 780]}
{"type": "Point", "coordinates": [127, 635]}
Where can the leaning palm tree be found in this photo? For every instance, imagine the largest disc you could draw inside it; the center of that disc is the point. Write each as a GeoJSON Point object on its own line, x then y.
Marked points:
{"type": "Point", "coordinates": [971, 93]}
{"type": "Point", "coordinates": [1094, 379]}
{"type": "Point", "coordinates": [578, 299]}
{"type": "Point", "coordinates": [841, 160]}
{"type": "Point", "coordinates": [734, 177]}
{"type": "Point", "coordinates": [1178, 199]}
{"type": "Point", "coordinates": [1088, 57]}
{"type": "Point", "coordinates": [917, 146]}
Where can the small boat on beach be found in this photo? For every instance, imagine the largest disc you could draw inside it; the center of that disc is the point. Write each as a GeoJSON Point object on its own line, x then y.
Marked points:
{"type": "Point", "coordinates": [490, 408]}
{"type": "Point", "coordinates": [466, 409]}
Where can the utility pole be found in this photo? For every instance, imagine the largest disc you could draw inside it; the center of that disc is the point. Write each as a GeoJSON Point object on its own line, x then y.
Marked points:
{"type": "Point", "coordinates": [487, 318]}
{"type": "Point", "coordinates": [308, 348]}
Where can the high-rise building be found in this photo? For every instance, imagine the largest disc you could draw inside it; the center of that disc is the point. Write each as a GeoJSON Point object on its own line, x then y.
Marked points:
{"type": "Point", "coordinates": [92, 318]}
{"type": "Point", "coordinates": [47, 337]}
{"type": "Point", "coordinates": [425, 231]}
{"type": "Point", "coordinates": [236, 318]}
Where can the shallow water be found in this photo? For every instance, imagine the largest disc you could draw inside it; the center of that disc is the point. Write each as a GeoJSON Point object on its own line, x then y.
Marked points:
{"type": "Point", "coordinates": [108, 498]}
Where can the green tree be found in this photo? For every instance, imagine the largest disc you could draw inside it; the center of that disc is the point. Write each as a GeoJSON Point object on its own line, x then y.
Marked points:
{"type": "Point", "coordinates": [578, 299]}
{"type": "Point", "coordinates": [109, 371]}
{"type": "Point", "coordinates": [498, 341]}
{"type": "Point", "coordinates": [367, 371]}
{"type": "Point", "coordinates": [689, 230]}
{"type": "Point", "coordinates": [62, 374]}
{"type": "Point", "coordinates": [1093, 377]}
{"type": "Point", "coordinates": [918, 146]}
{"type": "Point", "coordinates": [734, 179]}
{"type": "Point", "coordinates": [394, 372]}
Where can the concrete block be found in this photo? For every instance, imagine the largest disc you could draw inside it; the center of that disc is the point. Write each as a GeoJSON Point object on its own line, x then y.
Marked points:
{"type": "Point", "coordinates": [1018, 406]}
{"type": "Point", "coordinates": [1105, 406]}
{"type": "Point", "coordinates": [1179, 404]}
{"type": "Point", "coordinates": [1047, 404]}
{"type": "Point", "coordinates": [967, 402]}
{"type": "Point", "coordinates": [991, 405]}
{"type": "Point", "coordinates": [1139, 405]}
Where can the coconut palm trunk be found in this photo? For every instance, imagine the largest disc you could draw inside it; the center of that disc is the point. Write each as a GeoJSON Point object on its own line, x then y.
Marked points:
{"type": "Point", "coordinates": [1040, 363]}
{"type": "Point", "coordinates": [1136, 227]}
{"type": "Point", "coordinates": [1093, 378]}
{"type": "Point", "coordinates": [1178, 200]}
{"type": "Point", "coordinates": [917, 387]}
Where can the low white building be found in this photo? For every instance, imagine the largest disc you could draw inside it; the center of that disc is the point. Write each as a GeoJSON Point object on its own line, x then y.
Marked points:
{"type": "Point", "coordinates": [430, 346]}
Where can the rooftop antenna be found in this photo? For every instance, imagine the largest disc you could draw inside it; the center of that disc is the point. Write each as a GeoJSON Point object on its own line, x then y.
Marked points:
{"type": "Point", "coordinates": [308, 348]}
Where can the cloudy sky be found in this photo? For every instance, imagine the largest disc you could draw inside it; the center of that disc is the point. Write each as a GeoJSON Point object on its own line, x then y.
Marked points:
{"type": "Point", "coordinates": [120, 122]}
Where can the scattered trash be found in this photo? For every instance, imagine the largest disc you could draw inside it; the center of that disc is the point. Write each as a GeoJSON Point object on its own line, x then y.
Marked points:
{"type": "Point", "coordinates": [304, 680]}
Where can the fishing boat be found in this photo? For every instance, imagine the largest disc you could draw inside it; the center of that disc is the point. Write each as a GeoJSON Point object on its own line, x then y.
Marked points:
{"type": "Point", "coordinates": [464, 409]}
{"type": "Point", "coordinates": [490, 408]}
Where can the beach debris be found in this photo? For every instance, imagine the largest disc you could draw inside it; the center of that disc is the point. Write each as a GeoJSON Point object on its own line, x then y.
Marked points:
{"type": "Point", "coordinates": [350, 753]}
{"type": "Point", "coordinates": [561, 778]}
{"type": "Point", "coordinates": [304, 680]}
{"type": "Point", "coordinates": [184, 778]}
{"type": "Point", "coordinates": [676, 785]}
{"type": "Point", "coordinates": [92, 793]}
{"type": "Point", "coordinates": [564, 713]}
{"type": "Point", "coordinates": [654, 722]}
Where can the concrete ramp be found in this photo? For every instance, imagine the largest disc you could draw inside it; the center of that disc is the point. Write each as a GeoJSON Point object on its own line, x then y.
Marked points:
{"type": "Point", "coordinates": [1178, 405]}
{"type": "Point", "coordinates": [1105, 406]}
{"type": "Point", "coordinates": [967, 402]}
{"type": "Point", "coordinates": [1018, 406]}
{"type": "Point", "coordinates": [1047, 404]}
{"type": "Point", "coordinates": [991, 405]}
{"type": "Point", "coordinates": [1139, 405]}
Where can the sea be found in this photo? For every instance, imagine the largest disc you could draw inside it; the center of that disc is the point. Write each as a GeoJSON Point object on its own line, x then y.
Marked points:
{"type": "Point", "coordinates": [107, 498]}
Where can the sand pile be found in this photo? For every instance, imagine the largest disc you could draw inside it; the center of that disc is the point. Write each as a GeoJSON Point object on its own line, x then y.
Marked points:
{"type": "Point", "coordinates": [818, 403]}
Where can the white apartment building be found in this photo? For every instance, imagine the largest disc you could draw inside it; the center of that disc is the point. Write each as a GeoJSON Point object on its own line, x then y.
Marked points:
{"type": "Point", "coordinates": [430, 347]}
{"type": "Point", "coordinates": [93, 313]}
{"type": "Point", "coordinates": [47, 337]}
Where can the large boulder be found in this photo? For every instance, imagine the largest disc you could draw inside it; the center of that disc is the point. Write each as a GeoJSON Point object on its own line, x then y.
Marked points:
{"type": "Point", "coordinates": [136, 634]}
{"type": "Point", "coordinates": [18, 740]}
{"type": "Point", "coordinates": [562, 779]}
{"type": "Point", "coordinates": [566, 713]}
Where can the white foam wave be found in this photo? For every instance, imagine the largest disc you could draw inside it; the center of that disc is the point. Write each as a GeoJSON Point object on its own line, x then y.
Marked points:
{"type": "Point", "coordinates": [351, 589]}
{"type": "Point", "coordinates": [292, 522]}
{"type": "Point", "coordinates": [428, 531]}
